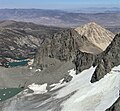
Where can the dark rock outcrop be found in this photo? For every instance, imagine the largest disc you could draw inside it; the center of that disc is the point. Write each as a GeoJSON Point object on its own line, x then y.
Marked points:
{"type": "Point", "coordinates": [108, 59]}
{"type": "Point", "coordinates": [83, 61]}
{"type": "Point", "coordinates": [115, 106]}
{"type": "Point", "coordinates": [63, 46]}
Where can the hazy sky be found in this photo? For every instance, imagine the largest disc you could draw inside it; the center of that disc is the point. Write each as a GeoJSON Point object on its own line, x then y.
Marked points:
{"type": "Point", "coordinates": [58, 4]}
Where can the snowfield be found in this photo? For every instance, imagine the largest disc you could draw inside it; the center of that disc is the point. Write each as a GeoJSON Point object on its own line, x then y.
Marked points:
{"type": "Point", "coordinates": [91, 96]}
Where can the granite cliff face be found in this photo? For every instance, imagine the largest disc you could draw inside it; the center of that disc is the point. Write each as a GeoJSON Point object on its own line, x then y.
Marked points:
{"type": "Point", "coordinates": [96, 34]}
{"type": "Point", "coordinates": [108, 59]}
{"type": "Point", "coordinates": [63, 46]}
{"type": "Point", "coordinates": [83, 61]}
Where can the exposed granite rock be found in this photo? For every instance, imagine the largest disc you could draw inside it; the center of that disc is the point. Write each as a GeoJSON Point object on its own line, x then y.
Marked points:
{"type": "Point", "coordinates": [108, 59]}
{"type": "Point", "coordinates": [83, 61]}
{"type": "Point", "coordinates": [20, 39]}
{"type": "Point", "coordinates": [96, 34]}
{"type": "Point", "coordinates": [62, 46]}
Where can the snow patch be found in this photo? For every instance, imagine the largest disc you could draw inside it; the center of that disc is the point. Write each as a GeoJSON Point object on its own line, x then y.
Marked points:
{"type": "Point", "coordinates": [4, 94]}
{"type": "Point", "coordinates": [38, 70]}
{"type": "Point", "coordinates": [31, 68]}
{"type": "Point", "coordinates": [38, 89]}
{"type": "Point", "coordinates": [72, 72]}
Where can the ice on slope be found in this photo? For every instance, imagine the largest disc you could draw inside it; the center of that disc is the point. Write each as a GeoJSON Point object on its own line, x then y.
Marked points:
{"type": "Point", "coordinates": [57, 85]}
{"type": "Point", "coordinates": [79, 81]}
{"type": "Point", "coordinates": [91, 97]}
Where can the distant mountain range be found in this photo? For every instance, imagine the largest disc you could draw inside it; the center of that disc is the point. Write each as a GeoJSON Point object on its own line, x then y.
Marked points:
{"type": "Point", "coordinates": [62, 18]}
{"type": "Point", "coordinates": [95, 10]}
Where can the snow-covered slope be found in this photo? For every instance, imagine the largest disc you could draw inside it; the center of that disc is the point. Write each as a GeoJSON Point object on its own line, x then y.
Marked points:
{"type": "Point", "coordinates": [96, 34]}
{"type": "Point", "coordinates": [91, 97]}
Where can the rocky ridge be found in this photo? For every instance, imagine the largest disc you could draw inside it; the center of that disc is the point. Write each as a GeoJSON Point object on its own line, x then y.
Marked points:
{"type": "Point", "coordinates": [20, 39]}
{"type": "Point", "coordinates": [90, 38]}
{"type": "Point", "coordinates": [63, 46]}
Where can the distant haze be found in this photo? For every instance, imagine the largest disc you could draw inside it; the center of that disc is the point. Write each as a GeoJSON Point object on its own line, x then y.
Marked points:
{"type": "Point", "coordinates": [58, 4]}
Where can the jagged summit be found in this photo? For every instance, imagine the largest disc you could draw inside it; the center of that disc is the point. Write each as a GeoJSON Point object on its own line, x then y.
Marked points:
{"type": "Point", "coordinates": [96, 34]}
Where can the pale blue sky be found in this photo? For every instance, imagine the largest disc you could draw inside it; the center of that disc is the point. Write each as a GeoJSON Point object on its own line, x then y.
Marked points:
{"type": "Point", "coordinates": [58, 4]}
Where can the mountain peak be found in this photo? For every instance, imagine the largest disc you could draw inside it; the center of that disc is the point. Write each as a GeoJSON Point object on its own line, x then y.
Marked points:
{"type": "Point", "coordinates": [96, 34]}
